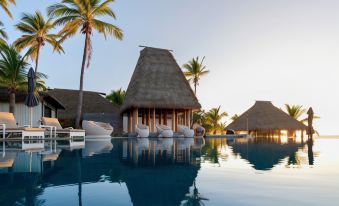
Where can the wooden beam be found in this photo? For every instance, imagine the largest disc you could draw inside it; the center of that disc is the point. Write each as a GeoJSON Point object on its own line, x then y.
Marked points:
{"type": "Point", "coordinates": [189, 116]}
{"type": "Point", "coordinates": [154, 120]}
{"type": "Point", "coordinates": [149, 118]}
{"type": "Point", "coordinates": [173, 120]}
{"type": "Point", "coordinates": [185, 116]}
{"type": "Point", "coordinates": [135, 118]}
{"type": "Point", "coordinates": [165, 117]}
{"type": "Point", "coordinates": [130, 122]}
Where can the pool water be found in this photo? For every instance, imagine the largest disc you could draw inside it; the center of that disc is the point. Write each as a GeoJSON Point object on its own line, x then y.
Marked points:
{"type": "Point", "coordinates": [214, 171]}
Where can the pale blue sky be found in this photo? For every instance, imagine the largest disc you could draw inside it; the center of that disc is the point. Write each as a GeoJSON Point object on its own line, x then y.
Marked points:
{"type": "Point", "coordinates": [285, 51]}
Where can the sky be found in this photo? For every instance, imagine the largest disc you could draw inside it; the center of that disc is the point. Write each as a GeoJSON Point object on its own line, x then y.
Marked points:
{"type": "Point", "coordinates": [284, 51]}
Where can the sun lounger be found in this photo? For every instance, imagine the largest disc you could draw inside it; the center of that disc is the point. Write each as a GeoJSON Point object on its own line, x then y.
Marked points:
{"type": "Point", "coordinates": [8, 126]}
{"type": "Point", "coordinates": [186, 131]}
{"type": "Point", "coordinates": [53, 123]}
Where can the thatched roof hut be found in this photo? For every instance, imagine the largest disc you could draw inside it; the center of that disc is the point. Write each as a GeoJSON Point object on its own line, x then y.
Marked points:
{"type": "Point", "coordinates": [264, 116]}
{"type": "Point", "coordinates": [158, 82]}
{"type": "Point", "coordinates": [158, 86]}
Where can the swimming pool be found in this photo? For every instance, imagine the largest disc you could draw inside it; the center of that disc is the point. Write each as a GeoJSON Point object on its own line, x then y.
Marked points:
{"type": "Point", "coordinates": [214, 171]}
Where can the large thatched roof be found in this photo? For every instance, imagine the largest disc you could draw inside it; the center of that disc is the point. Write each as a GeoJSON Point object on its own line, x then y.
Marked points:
{"type": "Point", "coordinates": [93, 102]}
{"type": "Point", "coordinates": [265, 116]}
{"type": "Point", "coordinates": [158, 82]}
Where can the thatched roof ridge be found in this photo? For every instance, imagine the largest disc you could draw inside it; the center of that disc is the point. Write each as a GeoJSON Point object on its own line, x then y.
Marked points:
{"type": "Point", "coordinates": [93, 102]}
{"type": "Point", "coordinates": [263, 115]}
{"type": "Point", "coordinates": [158, 82]}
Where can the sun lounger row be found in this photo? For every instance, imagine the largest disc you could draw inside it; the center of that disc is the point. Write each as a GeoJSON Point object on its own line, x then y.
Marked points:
{"type": "Point", "coordinates": [50, 127]}
{"type": "Point", "coordinates": [164, 131]}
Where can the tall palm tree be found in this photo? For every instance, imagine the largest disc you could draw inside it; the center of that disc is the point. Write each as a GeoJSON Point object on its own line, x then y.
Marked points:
{"type": "Point", "coordinates": [36, 32]}
{"type": "Point", "coordinates": [83, 15]}
{"type": "Point", "coordinates": [117, 97]}
{"type": "Point", "coordinates": [213, 117]}
{"type": "Point", "coordinates": [4, 4]}
{"type": "Point", "coordinates": [194, 70]}
{"type": "Point", "coordinates": [13, 73]}
{"type": "Point", "coordinates": [3, 34]}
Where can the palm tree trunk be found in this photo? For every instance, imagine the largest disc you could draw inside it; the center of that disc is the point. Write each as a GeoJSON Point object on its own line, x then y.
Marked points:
{"type": "Point", "coordinates": [195, 88]}
{"type": "Point", "coordinates": [12, 101]}
{"type": "Point", "coordinates": [81, 92]}
{"type": "Point", "coordinates": [37, 60]}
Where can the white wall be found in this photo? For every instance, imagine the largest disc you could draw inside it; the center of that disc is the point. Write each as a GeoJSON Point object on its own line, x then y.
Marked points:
{"type": "Point", "coordinates": [22, 113]}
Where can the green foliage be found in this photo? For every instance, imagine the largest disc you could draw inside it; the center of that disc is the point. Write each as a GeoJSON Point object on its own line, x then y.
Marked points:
{"type": "Point", "coordinates": [13, 70]}
{"type": "Point", "coordinates": [211, 120]}
{"type": "Point", "coordinates": [194, 70]}
{"type": "Point", "coordinates": [36, 33]}
{"type": "Point", "coordinates": [4, 4]}
{"type": "Point", "coordinates": [234, 117]}
{"type": "Point", "coordinates": [117, 97]}
{"type": "Point", "coordinates": [3, 34]}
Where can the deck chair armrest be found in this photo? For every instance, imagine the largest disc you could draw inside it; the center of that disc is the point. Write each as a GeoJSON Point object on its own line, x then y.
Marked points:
{"type": "Point", "coordinates": [2, 126]}
{"type": "Point", "coordinates": [48, 127]}
{"type": "Point", "coordinates": [69, 128]}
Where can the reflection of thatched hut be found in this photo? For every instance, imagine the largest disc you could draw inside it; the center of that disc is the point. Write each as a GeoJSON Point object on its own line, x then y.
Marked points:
{"type": "Point", "coordinates": [158, 92]}
{"type": "Point", "coordinates": [166, 185]}
{"type": "Point", "coordinates": [265, 153]}
{"type": "Point", "coordinates": [263, 117]}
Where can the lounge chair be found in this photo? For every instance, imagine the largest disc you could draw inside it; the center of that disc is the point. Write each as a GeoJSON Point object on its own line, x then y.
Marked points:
{"type": "Point", "coordinates": [8, 125]}
{"type": "Point", "coordinates": [142, 130]}
{"type": "Point", "coordinates": [164, 131]}
{"type": "Point", "coordinates": [53, 123]}
{"type": "Point", "coordinates": [186, 131]}
{"type": "Point", "coordinates": [199, 131]}
{"type": "Point", "coordinates": [97, 129]}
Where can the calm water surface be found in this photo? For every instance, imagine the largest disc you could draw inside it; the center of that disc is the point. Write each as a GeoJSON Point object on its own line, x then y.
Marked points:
{"type": "Point", "coordinates": [260, 171]}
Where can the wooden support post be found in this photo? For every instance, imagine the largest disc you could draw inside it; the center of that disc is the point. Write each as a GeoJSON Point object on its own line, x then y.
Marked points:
{"type": "Point", "coordinates": [154, 121]}
{"type": "Point", "coordinates": [135, 118]}
{"type": "Point", "coordinates": [165, 117]}
{"type": "Point", "coordinates": [160, 117]}
{"type": "Point", "coordinates": [189, 116]}
{"type": "Point", "coordinates": [185, 116]}
{"type": "Point", "coordinates": [173, 121]}
{"type": "Point", "coordinates": [149, 118]}
{"type": "Point", "coordinates": [130, 121]}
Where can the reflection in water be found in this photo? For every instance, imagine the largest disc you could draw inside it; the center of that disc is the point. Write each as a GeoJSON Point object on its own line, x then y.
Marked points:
{"type": "Point", "coordinates": [156, 171]}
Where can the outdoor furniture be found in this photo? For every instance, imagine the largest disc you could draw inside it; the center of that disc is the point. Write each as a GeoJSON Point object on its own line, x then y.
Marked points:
{"type": "Point", "coordinates": [8, 125]}
{"type": "Point", "coordinates": [186, 131]}
{"type": "Point", "coordinates": [199, 131]}
{"type": "Point", "coordinates": [142, 130]}
{"type": "Point", "coordinates": [164, 131]}
{"type": "Point", "coordinates": [54, 124]}
{"type": "Point", "coordinates": [97, 129]}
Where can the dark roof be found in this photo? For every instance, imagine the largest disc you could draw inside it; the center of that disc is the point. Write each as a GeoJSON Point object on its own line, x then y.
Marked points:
{"type": "Point", "coordinates": [93, 102]}
{"type": "Point", "coordinates": [263, 115]}
{"type": "Point", "coordinates": [21, 96]}
{"type": "Point", "coordinates": [158, 82]}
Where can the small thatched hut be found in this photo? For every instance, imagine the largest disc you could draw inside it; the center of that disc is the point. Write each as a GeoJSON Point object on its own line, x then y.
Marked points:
{"type": "Point", "coordinates": [158, 93]}
{"type": "Point", "coordinates": [264, 118]}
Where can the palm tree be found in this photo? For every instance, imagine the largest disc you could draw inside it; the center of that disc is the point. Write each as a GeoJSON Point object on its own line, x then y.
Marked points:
{"type": "Point", "coordinates": [194, 199]}
{"type": "Point", "coordinates": [82, 15]}
{"type": "Point", "coordinates": [297, 111]}
{"type": "Point", "coordinates": [36, 32]}
{"type": "Point", "coordinates": [13, 73]}
{"type": "Point", "coordinates": [4, 5]}
{"type": "Point", "coordinates": [3, 34]}
{"type": "Point", "coordinates": [213, 118]}
{"type": "Point", "coordinates": [117, 97]}
{"type": "Point", "coordinates": [234, 117]}
{"type": "Point", "coordinates": [194, 70]}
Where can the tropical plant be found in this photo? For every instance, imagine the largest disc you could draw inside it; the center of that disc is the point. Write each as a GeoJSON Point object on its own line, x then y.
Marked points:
{"type": "Point", "coordinates": [194, 70]}
{"type": "Point", "coordinates": [297, 111]}
{"type": "Point", "coordinates": [83, 15]}
{"type": "Point", "coordinates": [36, 32]}
{"type": "Point", "coordinates": [3, 34]}
{"type": "Point", "coordinates": [213, 118]}
{"type": "Point", "coordinates": [199, 117]}
{"type": "Point", "coordinates": [117, 97]}
{"type": "Point", "coordinates": [4, 4]}
{"type": "Point", "coordinates": [13, 73]}
{"type": "Point", "coordinates": [234, 117]}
